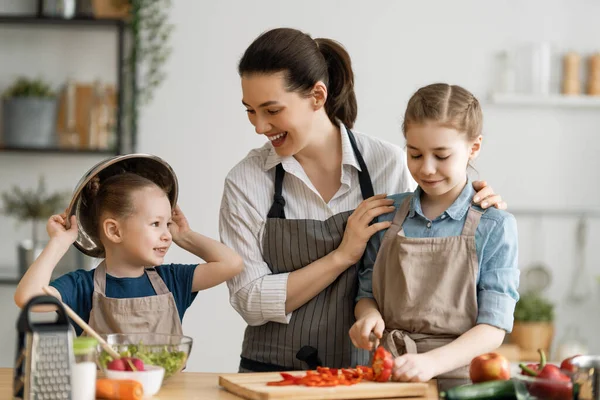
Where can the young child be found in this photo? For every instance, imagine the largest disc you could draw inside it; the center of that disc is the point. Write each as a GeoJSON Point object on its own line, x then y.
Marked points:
{"type": "Point", "coordinates": [443, 286]}
{"type": "Point", "coordinates": [136, 224]}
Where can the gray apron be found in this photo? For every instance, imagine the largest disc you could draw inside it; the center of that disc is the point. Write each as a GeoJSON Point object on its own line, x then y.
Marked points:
{"type": "Point", "coordinates": [317, 333]}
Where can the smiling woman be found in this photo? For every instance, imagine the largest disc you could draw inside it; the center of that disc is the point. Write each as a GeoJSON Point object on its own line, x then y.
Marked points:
{"type": "Point", "coordinates": [300, 209]}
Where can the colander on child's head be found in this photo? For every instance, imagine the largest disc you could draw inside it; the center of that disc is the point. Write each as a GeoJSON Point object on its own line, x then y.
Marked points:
{"type": "Point", "coordinates": [149, 166]}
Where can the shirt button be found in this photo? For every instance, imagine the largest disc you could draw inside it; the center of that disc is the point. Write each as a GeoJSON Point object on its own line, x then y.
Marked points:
{"type": "Point", "coordinates": [443, 216]}
{"type": "Point", "coordinates": [429, 224]}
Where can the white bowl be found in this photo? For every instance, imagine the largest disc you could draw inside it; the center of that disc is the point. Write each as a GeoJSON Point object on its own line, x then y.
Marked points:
{"type": "Point", "coordinates": [151, 378]}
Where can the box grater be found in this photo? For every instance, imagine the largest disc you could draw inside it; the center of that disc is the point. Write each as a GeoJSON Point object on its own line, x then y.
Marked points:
{"type": "Point", "coordinates": [44, 355]}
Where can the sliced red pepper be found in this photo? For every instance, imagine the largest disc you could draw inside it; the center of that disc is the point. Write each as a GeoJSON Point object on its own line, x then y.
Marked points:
{"type": "Point", "coordinates": [382, 365]}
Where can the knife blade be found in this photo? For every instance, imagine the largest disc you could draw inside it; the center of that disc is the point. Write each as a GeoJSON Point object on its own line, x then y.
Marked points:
{"type": "Point", "coordinates": [374, 344]}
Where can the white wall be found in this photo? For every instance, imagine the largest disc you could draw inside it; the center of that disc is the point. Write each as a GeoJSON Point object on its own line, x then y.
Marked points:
{"type": "Point", "coordinates": [535, 158]}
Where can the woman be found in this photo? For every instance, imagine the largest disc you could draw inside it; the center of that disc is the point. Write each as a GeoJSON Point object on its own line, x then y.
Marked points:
{"type": "Point", "coordinates": [301, 209]}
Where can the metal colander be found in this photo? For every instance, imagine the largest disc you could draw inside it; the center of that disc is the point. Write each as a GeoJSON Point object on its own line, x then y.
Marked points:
{"type": "Point", "coordinates": [149, 166]}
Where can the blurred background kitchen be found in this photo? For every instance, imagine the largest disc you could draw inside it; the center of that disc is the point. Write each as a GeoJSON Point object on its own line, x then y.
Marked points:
{"type": "Point", "coordinates": [70, 99]}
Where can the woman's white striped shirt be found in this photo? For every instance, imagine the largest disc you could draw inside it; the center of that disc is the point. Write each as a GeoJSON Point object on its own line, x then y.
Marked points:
{"type": "Point", "coordinates": [256, 293]}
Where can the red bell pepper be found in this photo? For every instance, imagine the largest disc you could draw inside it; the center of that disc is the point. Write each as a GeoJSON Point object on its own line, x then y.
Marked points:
{"type": "Point", "coordinates": [534, 369]}
{"type": "Point", "coordinates": [382, 365]}
{"type": "Point", "coordinates": [555, 384]}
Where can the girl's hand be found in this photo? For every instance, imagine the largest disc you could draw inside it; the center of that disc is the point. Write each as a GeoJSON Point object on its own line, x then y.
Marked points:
{"type": "Point", "coordinates": [485, 196]}
{"type": "Point", "coordinates": [179, 225]}
{"type": "Point", "coordinates": [57, 229]}
{"type": "Point", "coordinates": [414, 368]}
{"type": "Point", "coordinates": [358, 231]}
{"type": "Point", "coordinates": [361, 330]}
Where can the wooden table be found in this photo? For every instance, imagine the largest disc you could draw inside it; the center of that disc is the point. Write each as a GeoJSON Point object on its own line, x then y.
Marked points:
{"type": "Point", "coordinates": [185, 385]}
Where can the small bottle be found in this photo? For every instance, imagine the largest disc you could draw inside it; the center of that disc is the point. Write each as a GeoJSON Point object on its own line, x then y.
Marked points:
{"type": "Point", "coordinates": [571, 83]}
{"type": "Point", "coordinates": [593, 81]}
{"type": "Point", "coordinates": [83, 375]}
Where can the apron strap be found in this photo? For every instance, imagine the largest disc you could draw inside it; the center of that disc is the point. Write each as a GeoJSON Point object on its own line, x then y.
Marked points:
{"type": "Point", "coordinates": [401, 215]}
{"type": "Point", "coordinates": [157, 282]}
{"type": "Point", "coordinates": [277, 210]}
{"type": "Point", "coordinates": [364, 179]}
{"type": "Point", "coordinates": [100, 278]}
{"type": "Point", "coordinates": [397, 337]}
{"type": "Point", "coordinates": [472, 221]}
{"type": "Point", "coordinates": [366, 186]}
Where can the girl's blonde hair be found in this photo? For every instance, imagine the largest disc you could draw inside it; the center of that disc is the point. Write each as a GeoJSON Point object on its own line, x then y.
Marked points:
{"type": "Point", "coordinates": [446, 105]}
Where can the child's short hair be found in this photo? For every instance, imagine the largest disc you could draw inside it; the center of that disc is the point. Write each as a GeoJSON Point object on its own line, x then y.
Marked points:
{"type": "Point", "coordinates": [447, 105]}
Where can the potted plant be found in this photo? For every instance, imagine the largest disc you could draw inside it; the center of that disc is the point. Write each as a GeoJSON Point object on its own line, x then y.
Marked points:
{"type": "Point", "coordinates": [534, 323]}
{"type": "Point", "coordinates": [29, 114]}
{"type": "Point", "coordinates": [36, 206]}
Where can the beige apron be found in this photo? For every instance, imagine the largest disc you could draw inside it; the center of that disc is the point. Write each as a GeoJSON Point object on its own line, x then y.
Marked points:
{"type": "Point", "coordinates": [151, 314]}
{"type": "Point", "coordinates": [426, 288]}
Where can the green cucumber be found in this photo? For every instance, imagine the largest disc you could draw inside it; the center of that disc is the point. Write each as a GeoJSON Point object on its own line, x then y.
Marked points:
{"type": "Point", "coordinates": [497, 390]}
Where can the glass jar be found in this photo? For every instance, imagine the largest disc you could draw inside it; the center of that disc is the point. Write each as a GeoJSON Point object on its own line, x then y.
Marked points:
{"type": "Point", "coordinates": [83, 379]}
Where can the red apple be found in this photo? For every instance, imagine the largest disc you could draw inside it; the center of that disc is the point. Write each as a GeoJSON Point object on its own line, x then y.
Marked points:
{"type": "Point", "coordinates": [116, 365]}
{"type": "Point", "coordinates": [489, 367]}
{"type": "Point", "coordinates": [567, 364]}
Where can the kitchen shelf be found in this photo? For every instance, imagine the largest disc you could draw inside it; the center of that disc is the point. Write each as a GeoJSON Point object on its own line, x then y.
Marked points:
{"type": "Point", "coordinates": [126, 135]}
{"type": "Point", "coordinates": [554, 100]}
{"type": "Point", "coordinates": [34, 20]}
{"type": "Point", "coordinates": [56, 150]}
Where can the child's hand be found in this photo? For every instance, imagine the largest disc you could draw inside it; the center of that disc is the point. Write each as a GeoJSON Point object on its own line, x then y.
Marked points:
{"type": "Point", "coordinates": [361, 330]}
{"type": "Point", "coordinates": [414, 368]}
{"type": "Point", "coordinates": [179, 224]}
{"type": "Point", "coordinates": [57, 228]}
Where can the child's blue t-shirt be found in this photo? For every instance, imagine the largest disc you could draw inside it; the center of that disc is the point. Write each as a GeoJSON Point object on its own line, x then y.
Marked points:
{"type": "Point", "coordinates": [77, 287]}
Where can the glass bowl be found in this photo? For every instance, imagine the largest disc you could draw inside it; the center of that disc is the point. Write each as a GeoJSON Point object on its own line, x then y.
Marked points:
{"type": "Point", "coordinates": [168, 351]}
{"type": "Point", "coordinates": [532, 388]}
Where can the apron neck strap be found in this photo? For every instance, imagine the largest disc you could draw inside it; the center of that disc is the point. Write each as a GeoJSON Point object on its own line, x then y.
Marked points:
{"type": "Point", "coordinates": [155, 280]}
{"type": "Point", "coordinates": [473, 217]}
{"type": "Point", "coordinates": [366, 186]}
{"type": "Point", "coordinates": [100, 278]}
{"type": "Point", "coordinates": [277, 210]}
{"type": "Point", "coordinates": [402, 212]}
{"type": "Point", "coordinates": [364, 179]}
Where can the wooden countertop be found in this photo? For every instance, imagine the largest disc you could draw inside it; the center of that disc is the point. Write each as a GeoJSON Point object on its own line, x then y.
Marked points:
{"type": "Point", "coordinates": [185, 385]}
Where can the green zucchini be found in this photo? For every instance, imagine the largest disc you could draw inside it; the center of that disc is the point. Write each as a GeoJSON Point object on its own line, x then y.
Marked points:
{"type": "Point", "coordinates": [496, 390]}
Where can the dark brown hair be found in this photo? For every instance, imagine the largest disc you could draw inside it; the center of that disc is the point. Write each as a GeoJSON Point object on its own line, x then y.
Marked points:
{"type": "Point", "coordinates": [113, 196]}
{"type": "Point", "coordinates": [447, 105]}
{"type": "Point", "coordinates": [304, 62]}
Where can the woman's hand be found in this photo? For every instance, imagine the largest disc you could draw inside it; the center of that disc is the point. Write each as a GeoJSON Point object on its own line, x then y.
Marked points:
{"type": "Point", "coordinates": [485, 196]}
{"type": "Point", "coordinates": [57, 229]}
{"type": "Point", "coordinates": [358, 231]}
{"type": "Point", "coordinates": [414, 368]}
{"type": "Point", "coordinates": [179, 225]}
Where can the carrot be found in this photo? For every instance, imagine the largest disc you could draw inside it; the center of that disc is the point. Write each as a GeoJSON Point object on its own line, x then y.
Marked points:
{"type": "Point", "coordinates": [113, 389]}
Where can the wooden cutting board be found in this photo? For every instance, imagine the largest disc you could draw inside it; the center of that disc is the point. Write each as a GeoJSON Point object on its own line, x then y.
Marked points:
{"type": "Point", "coordinates": [253, 386]}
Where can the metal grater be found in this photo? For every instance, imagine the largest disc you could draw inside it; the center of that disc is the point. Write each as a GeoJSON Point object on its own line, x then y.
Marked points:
{"type": "Point", "coordinates": [44, 355]}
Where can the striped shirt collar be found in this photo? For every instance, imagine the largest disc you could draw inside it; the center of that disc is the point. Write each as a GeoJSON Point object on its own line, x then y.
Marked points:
{"type": "Point", "coordinates": [348, 157]}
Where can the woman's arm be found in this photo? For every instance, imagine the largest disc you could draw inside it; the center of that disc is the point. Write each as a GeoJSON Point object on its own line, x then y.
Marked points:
{"type": "Point", "coordinates": [259, 295]}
